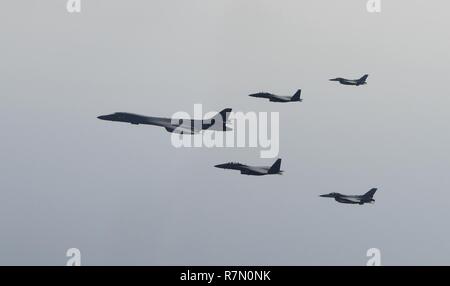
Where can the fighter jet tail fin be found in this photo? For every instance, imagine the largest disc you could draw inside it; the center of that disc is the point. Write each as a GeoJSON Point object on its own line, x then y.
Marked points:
{"type": "Point", "coordinates": [363, 79]}
{"type": "Point", "coordinates": [370, 193]}
{"type": "Point", "coordinates": [275, 169]}
{"type": "Point", "coordinates": [296, 96]}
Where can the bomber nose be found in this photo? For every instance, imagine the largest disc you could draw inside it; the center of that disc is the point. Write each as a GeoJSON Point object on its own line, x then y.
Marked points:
{"type": "Point", "coordinates": [220, 166]}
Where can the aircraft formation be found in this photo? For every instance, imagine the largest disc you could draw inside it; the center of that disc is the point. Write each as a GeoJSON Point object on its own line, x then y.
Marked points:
{"type": "Point", "coordinates": [218, 123]}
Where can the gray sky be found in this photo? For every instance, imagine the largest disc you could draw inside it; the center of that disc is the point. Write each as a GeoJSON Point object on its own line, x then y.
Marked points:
{"type": "Point", "coordinates": [124, 196]}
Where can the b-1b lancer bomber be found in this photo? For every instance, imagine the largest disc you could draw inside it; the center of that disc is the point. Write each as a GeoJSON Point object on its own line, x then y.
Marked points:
{"type": "Point", "coordinates": [367, 198]}
{"type": "Point", "coordinates": [253, 170]}
{"type": "Point", "coordinates": [279, 98]}
{"type": "Point", "coordinates": [181, 126]}
{"type": "Point", "coordinates": [356, 82]}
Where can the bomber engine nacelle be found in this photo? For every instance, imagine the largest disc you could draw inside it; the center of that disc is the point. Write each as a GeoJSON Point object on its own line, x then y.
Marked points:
{"type": "Point", "coordinates": [180, 130]}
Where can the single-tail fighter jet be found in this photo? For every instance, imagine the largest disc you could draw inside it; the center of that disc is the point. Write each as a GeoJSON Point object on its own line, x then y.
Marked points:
{"type": "Point", "coordinates": [356, 82]}
{"type": "Point", "coordinates": [252, 170]}
{"type": "Point", "coordinates": [175, 125]}
{"type": "Point", "coordinates": [367, 198]}
{"type": "Point", "coordinates": [279, 98]}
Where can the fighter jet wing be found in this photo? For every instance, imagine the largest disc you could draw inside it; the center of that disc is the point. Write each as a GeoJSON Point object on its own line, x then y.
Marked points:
{"type": "Point", "coordinates": [253, 170]}
{"type": "Point", "coordinates": [352, 199]}
{"type": "Point", "coordinates": [279, 98]}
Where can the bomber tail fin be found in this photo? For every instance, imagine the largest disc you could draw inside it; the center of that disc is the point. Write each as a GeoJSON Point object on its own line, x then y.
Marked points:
{"type": "Point", "coordinates": [219, 121]}
{"type": "Point", "coordinates": [275, 169]}
{"type": "Point", "coordinates": [223, 115]}
{"type": "Point", "coordinates": [296, 96]}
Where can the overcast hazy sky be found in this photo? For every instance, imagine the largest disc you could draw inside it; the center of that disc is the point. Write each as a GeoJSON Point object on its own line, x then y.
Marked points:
{"type": "Point", "coordinates": [123, 195]}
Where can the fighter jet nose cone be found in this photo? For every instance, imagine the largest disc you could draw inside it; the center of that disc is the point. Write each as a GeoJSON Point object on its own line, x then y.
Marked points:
{"type": "Point", "coordinates": [102, 117]}
{"type": "Point", "coordinates": [325, 196]}
{"type": "Point", "coordinates": [99, 117]}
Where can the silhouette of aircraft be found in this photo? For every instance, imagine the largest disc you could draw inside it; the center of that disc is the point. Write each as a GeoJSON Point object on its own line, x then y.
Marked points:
{"type": "Point", "coordinates": [181, 126]}
{"type": "Point", "coordinates": [356, 82]}
{"type": "Point", "coordinates": [252, 170]}
{"type": "Point", "coordinates": [367, 198]}
{"type": "Point", "coordinates": [279, 98]}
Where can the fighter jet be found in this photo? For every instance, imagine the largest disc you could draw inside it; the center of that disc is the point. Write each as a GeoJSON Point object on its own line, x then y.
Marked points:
{"type": "Point", "coordinates": [367, 198]}
{"type": "Point", "coordinates": [279, 98]}
{"type": "Point", "coordinates": [180, 126]}
{"type": "Point", "coordinates": [252, 170]}
{"type": "Point", "coordinates": [356, 82]}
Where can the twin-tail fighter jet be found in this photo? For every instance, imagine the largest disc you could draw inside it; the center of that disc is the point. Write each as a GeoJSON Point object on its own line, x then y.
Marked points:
{"type": "Point", "coordinates": [279, 98]}
{"type": "Point", "coordinates": [253, 170]}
